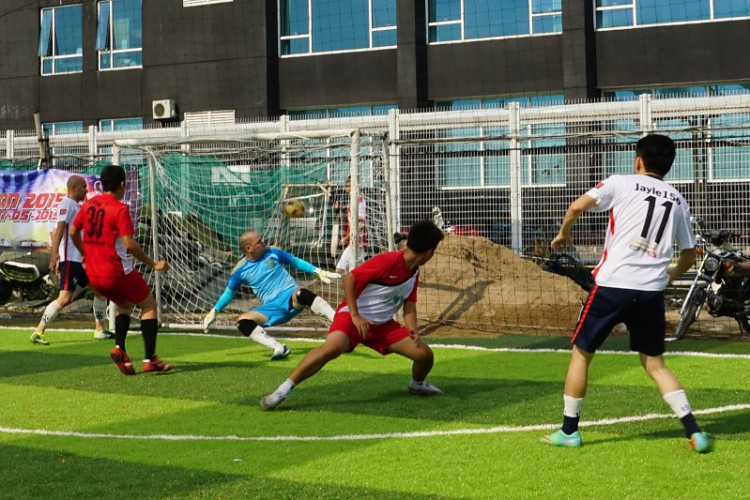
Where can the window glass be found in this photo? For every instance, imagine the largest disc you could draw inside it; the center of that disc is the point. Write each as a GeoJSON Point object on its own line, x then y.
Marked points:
{"type": "Point", "coordinates": [671, 11]}
{"type": "Point", "coordinates": [445, 33]}
{"type": "Point", "coordinates": [731, 8]}
{"type": "Point", "coordinates": [64, 128]}
{"type": "Point", "coordinates": [383, 13]}
{"type": "Point", "coordinates": [45, 34]}
{"type": "Point", "coordinates": [384, 38]}
{"type": "Point", "coordinates": [613, 3]}
{"type": "Point", "coordinates": [681, 92]}
{"type": "Point", "coordinates": [294, 17]}
{"type": "Point", "coordinates": [542, 6]}
{"type": "Point", "coordinates": [102, 27]}
{"type": "Point", "coordinates": [127, 26]}
{"type": "Point", "coordinates": [340, 25]}
{"type": "Point", "coordinates": [444, 10]}
{"type": "Point", "coordinates": [684, 162]}
{"type": "Point", "coordinates": [495, 18]}
{"type": "Point", "coordinates": [68, 30]}
{"type": "Point", "coordinates": [121, 124]}
{"type": "Point", "coordinates": [547, 158]}
{"type": "Point", "coordinates": [614, 18]}
{"type": "Point", "coordinates": [295, 46]}
{"type": "Point", "coordinates": [730, 152]}
{"type": "Point", "coordinates": [547, 24]}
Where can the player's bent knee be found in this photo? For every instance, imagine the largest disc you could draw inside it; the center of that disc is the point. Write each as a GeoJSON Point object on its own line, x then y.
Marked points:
{"type": "Point", "coordinates": [305, 297]}
{"type": "Point", "coordinates": [246, 326]}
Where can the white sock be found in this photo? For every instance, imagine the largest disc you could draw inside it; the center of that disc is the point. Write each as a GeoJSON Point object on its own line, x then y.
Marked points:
{"type": "Point", "coordinates": [100, 308]}
{"type": "Point", "coordinates": [416, 383]}
{"type": "Point", "coordinates": [286, 387]}
{"type": "Point", "coordinates": [320, 306]}
{"type": "Point", "coordinates": [51, 312]}
{"type": "Point", "coordinates": [679, 402]}
{"type": "Point", "coordinates": [260, 336]}
{"type": "Point", "coordinates": [572, 406]}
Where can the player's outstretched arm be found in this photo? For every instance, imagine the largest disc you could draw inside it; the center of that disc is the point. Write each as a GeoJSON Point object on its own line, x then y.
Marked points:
{"type": "Point", "coordinates": [226, 297]}
{"type": "Point", "coordinates": [574, 211]}
{"type": "Point", "coordinates": [304, 266]}
{"type": "Point", "coordinates": [136, 251]}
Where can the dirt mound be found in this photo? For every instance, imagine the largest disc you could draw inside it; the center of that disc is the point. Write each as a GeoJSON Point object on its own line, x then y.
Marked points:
{"type": "Point", "coordinates": [475, 284]}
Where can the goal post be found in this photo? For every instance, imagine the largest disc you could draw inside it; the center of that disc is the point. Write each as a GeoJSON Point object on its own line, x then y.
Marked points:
{"type": "Point", "coordinates": [197, 195]}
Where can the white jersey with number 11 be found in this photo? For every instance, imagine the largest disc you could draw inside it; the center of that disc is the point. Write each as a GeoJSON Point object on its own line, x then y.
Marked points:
{"type": "Point", "coordinates": [646, 216]}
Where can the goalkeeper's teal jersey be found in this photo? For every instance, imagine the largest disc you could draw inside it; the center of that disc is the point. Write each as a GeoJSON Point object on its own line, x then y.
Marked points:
{"type": "Point", "coordinates": [267, 277]}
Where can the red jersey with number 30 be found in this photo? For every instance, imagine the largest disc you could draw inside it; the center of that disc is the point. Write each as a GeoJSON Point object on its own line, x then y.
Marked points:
{"type": "Point", "coordinates": [103, 221]}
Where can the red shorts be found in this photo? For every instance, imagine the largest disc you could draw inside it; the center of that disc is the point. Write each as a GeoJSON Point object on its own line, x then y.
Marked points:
{"type": "Point", "coordinates": [379, 338]}
{"type": "Point", "coordinates": [130, 287]}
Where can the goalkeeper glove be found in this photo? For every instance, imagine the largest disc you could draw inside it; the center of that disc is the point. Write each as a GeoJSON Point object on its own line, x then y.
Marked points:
{"type": "Point", "coordinates": [326, 276]}
{"type": "Point", "coordinates": [210, 317]}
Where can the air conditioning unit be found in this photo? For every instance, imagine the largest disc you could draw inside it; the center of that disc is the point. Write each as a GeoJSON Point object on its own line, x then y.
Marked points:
{"type": "Point", "coordinates": [163, 109]}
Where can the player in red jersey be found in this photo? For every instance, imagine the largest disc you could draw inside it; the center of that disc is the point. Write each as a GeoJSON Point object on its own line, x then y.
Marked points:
{"type": "Point", "coordinates": [108, 229]}
{"type": "Point", "coordinates": [373, 293]}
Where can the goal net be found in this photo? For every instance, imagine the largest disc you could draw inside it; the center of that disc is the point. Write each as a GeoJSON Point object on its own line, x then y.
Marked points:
{"type": "Point", "coordinates": [197, 196]}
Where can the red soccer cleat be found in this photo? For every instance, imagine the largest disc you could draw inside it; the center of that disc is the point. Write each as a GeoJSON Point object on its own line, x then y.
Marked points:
{"type": "Point", "coordinates": [156, 365]}
{"type": "Point", "coordinates": [122, 361]}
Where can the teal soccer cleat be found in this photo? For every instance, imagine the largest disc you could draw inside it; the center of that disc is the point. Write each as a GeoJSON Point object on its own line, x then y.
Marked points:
{"type": "Point", "coordinates": [559, 438]}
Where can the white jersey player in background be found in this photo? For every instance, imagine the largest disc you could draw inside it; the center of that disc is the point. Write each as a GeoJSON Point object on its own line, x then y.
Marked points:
{"type": "Point", "coordinates": [646, 216]}
{"type": "Point", "coordinates": [66, 261]}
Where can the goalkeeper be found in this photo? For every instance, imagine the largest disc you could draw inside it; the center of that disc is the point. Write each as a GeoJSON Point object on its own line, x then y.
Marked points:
{"type": "Point", "coordinates": [281, 298]}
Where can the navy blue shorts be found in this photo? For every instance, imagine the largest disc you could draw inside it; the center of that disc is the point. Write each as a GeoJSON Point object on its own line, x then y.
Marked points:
{"type": "Point", "coordinates": [641, 311]}
{"type": "Point", "coordinates": [72, 274]}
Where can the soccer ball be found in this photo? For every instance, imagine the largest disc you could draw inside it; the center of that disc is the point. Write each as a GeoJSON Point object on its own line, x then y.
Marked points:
{"type": "Point", "coordinates": [294, 208]}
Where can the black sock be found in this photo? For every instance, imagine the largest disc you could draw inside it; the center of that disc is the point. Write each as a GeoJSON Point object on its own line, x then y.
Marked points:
{"type": "Point", "coordinates": [122, 324]}
{"type": "Point", "coordinates": [570, 424]}
{"type": "Point", "coordinates": [148, 329]}
{"type": "Point", "coordinates": [691, 426]}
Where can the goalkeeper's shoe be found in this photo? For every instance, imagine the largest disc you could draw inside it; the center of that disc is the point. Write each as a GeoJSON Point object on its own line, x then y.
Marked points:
{"type": "Point", "coordinates": [103, 335]}
{"type": "Point", "coordinates": [559, 438]}
{"type": "Point", "coordinates": [38, 338]}
{"type": "Point", "coordinates": [424, 389]}
{"type": "Point", "coordinates": [122, 361]}
{"type": "Point", "coordinates": [702, 442]}
{"type": "Point", "coordinates": [156, 365]}
{"type": "Point", "coordinates": [271, 401]}
{"type": "Point", "coordinates": [280, 353]}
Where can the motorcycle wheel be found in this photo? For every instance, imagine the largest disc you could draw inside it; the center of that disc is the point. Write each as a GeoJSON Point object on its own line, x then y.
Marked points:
{"type": "Point", "coordinates": [686, 319]}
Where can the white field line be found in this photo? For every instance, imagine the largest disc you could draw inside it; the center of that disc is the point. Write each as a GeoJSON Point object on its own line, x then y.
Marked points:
{"type": "Point", "coordinates": [695, 354]}
{"type": "Point", "coordinates": [364, 437]}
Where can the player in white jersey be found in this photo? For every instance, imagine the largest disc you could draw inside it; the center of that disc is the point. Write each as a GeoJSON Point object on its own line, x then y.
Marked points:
{"type": "Point", "coordinates": [343, 265]}
{"type": "Point", "coordinates": [66, 261]}
{"type": "Point", "coordinates": [373, 294]}
{"type": "Point", "coordinates": [646, 217]}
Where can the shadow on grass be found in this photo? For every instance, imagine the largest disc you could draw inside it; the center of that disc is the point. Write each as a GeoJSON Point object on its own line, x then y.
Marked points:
{"type": "Point", "coordinates": [33, 473]}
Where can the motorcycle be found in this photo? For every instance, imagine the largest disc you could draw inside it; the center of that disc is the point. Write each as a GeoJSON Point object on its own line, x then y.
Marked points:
{"type": "Point", "coordinates": [721, 285]}
{"type": "Point", "coordinates": [25, 276]}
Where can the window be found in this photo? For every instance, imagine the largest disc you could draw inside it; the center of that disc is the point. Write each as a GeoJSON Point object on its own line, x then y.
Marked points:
{"type": "Point", "coordinates": [119, 34]}
{"type": "Point", "coordinates": [340, 112]}
{"type": "Point", "coordinates": [672, 92]}
{"type": "Point", "coordinates": [198, 3]}
{"type": "Point", "coordinates": [460, 20]}
{"type": "Point", "coordinates": [63, 128]}
{"type": "Point", "coordinates": [61, 40]}
{"type": "Point", "coordinates": [628, 13]}
{"type": "Point", "coordinates": [483, 163]}
{"type": "Point", "coordinates": [120, 124]}
{"type": "Point", "coordinates": [318, 26]}
{"type": "Point", "coordinates": [730, 154]}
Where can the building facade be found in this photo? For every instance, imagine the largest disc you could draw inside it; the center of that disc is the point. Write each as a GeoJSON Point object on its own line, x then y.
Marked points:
{"type": "Point", "coordinates": [85, 62]}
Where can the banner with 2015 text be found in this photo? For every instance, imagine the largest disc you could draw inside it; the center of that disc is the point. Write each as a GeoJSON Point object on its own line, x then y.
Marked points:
{"type": "Point", "coordinates": [28, 204]}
